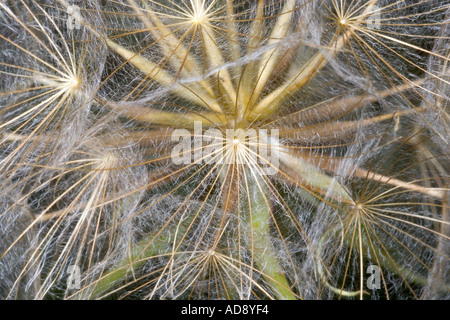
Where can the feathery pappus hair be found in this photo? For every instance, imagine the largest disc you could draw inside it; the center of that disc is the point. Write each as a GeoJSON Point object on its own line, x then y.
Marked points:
{"type": "Point", "coordinates": [224, 149]}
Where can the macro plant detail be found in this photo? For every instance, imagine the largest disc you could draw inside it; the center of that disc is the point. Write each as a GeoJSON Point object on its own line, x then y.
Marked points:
{"type": "Point", "coordinates": [313, 135]}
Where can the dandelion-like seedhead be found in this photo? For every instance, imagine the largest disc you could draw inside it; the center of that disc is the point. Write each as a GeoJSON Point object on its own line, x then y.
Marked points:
{"type": "Point", "coordinates": [224, 149]}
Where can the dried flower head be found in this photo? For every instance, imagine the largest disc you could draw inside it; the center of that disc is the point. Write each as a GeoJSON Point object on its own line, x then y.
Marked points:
{"type": "Point", "coordinates": [211, 149]}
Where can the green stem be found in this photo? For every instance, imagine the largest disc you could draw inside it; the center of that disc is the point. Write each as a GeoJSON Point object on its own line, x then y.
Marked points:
{"type": "Point", "coordinates": [136, 259]}
{"type": "Point", "coordinates": [264, 253]}
{"type": "Point", "coordinates": [148, 247]}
